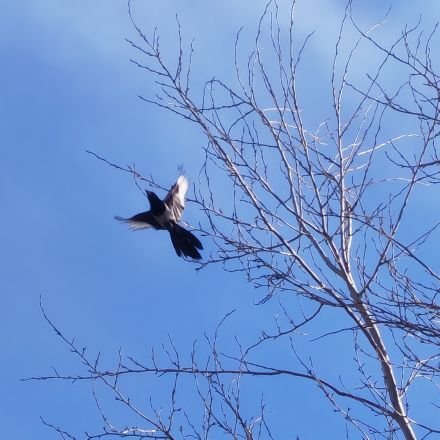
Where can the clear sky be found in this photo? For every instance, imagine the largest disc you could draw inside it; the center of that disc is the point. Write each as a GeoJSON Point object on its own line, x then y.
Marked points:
{"type": "Point", "coordinates": [67, 86]}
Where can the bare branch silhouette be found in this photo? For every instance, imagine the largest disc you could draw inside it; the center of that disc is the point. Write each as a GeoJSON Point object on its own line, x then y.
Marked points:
{"type": "Point", "coordinates": [321, 212]}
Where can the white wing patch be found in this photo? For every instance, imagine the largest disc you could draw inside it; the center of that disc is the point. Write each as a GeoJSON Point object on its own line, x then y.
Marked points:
{"type": "Point", "coordinates": [182, 183]}
{"type": "Point", "coordinates": [175, 199]}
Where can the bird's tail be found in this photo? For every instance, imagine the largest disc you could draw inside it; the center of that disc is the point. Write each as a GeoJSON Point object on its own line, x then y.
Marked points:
{"type": "Point", "coordinates": [184, 242]}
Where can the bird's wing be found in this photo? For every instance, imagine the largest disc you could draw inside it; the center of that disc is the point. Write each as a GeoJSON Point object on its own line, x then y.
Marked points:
{"type": "Point", "coordinates": [175, 199]}
{"type": "Point", "coordinates": [142, 220]}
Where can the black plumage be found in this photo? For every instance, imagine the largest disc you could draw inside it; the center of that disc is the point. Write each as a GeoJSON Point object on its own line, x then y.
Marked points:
{"type": "Point", "coordinates": [165, 214]}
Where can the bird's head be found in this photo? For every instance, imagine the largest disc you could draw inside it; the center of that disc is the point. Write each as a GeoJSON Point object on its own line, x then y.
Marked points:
{"type": "Point", "coordinates": [155, 202]}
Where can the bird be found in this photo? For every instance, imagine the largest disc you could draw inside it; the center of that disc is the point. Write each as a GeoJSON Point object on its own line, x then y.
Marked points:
{"type": "Point", "coordinates": [165, 215]}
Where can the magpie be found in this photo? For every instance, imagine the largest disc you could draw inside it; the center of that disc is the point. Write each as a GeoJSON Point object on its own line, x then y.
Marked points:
{"type": "Point", "coordinates": [165, 214]}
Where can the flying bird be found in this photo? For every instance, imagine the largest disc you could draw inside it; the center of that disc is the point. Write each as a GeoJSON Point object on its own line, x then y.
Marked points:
{"type": "Point", "coordinates": [165, 214]}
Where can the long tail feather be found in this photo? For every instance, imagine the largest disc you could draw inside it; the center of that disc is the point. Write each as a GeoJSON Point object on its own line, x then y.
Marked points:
{"type": "Point", "coordinates": [184, 242]}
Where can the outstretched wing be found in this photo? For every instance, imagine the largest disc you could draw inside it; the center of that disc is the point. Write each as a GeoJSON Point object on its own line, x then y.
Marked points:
{"type": "Point", "coordinates": [142, 220]}
{"type": "Point", "coordinates": [175, 199]}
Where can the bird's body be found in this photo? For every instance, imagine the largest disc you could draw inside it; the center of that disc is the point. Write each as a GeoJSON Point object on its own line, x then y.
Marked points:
{"type": "Point", "coordinates": [165, 214]}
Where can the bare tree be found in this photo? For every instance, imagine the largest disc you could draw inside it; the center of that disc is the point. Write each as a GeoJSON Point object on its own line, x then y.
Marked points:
{"type": "Point", "coordinates": [320, 218]}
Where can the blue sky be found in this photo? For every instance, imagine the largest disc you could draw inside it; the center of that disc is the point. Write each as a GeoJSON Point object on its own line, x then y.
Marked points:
{"type": "Point", "coordinates": [68, 86]}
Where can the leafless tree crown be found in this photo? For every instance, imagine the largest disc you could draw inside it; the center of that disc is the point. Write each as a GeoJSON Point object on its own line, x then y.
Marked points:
{"type": "Point", "coordinates": [323, 217]}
